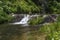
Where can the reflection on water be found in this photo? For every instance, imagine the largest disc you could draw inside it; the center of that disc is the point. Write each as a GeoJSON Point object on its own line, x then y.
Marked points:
{"type": "Point", "coordinates": [17, 32]}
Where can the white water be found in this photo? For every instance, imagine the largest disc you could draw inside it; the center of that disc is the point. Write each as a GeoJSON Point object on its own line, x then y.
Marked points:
{"type": "Point", "coordinates": [24, 20]}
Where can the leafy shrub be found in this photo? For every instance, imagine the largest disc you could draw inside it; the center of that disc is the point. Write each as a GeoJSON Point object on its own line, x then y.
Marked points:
{"type": "Point", "coordinates": [4, 17]}
{"type": "Point", "coordinates": [48, 28]}
{"type": "Point", "coordinates": [35, 21]}
{"type": "Point", "coordinates": [53, 36]}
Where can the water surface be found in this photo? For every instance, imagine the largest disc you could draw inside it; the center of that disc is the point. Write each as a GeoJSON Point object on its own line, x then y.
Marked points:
{"type": "Point", "coordinates": [17, 32]}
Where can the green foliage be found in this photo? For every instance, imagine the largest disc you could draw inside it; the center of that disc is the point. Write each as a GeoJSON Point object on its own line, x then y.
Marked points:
{"type": "Point", "coordinates": [54, 7]}
{"type": "Point", "coordinates": [27, 6]}
{"type": "Point", "coordinates": [31, 6]}
{"type": "Point", "coordinates": [48, 28]}
{"type": "Point", "coordinates": [53, 36]}
{"type": "Point", "coordinates": [52, 30]}
{"type": "Point", "coordinates": [3, 16]}
{"type": "Point", "coordinates": [12, 6]}
{"type": "Point", "coordinates": [35, 20]}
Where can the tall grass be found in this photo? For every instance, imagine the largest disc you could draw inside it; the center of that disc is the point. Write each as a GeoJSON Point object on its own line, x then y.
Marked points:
{"type": "Point", "coordinates": [52, 30]}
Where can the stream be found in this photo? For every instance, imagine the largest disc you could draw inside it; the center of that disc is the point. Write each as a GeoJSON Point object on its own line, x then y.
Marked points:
{"type": "Point", "coordinates": [18, 30]}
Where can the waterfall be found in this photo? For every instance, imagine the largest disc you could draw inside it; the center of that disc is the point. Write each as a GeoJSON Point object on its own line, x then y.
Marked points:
{"type": "Point", "coordinates": [24, 20]}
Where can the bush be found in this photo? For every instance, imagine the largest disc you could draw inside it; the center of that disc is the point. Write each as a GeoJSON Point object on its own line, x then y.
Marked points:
{"type": "Point", "coordinates": [4, 17]}
{"type": "Point", "coordinates": [53, 36]}
{"type": "Point", "coordinates": [35, 21]}
{"type": "Point", "coordinates": [48, 28]}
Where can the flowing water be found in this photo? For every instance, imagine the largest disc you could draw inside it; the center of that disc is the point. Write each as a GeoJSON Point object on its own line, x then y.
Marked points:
{"type": "Point", "coordinates": [20, 32]}
{"type": "Point", "coordinates": [17, 32]}
{"type": "Point", "coordinates": [24, 20]}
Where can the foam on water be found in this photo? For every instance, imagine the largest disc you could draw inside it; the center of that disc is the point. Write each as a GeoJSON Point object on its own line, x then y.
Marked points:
{"type": "Point", "coordinates": [24, 20]}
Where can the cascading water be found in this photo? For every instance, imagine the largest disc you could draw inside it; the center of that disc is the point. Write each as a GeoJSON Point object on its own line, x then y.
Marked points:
{"type": "Point", "coordinates": [24, 20]}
